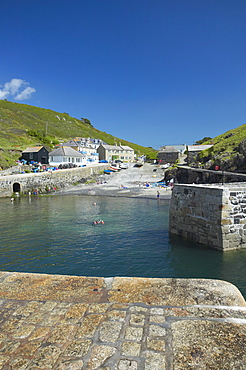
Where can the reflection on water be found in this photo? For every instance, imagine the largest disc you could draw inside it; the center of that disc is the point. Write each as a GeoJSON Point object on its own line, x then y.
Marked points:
{"type": "Point", "coordinates": [56, 235]}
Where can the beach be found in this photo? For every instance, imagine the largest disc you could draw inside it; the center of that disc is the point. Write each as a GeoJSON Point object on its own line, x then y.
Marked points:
{"type": "Point", "coordinates": [136, 182]}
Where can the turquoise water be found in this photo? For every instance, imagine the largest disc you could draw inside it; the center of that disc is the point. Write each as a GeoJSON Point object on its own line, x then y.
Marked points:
{"type": "Point", "coordinates": [56, 235]}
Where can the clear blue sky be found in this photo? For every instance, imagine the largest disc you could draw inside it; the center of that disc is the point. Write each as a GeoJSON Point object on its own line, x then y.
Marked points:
{"type": "Point", "coordinates": [153, 72]}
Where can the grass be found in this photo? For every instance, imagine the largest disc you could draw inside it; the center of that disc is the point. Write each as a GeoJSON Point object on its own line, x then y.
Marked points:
{"type": "Point", "coordinates": [23, 125]}
{"type": "Point", "coordinates": [225, 146]}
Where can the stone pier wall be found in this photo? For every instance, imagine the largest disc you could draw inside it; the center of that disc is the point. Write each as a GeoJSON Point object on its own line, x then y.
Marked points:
{"type": "Point", "coordinates": [41, 181]}
{"type": "Point", "coordinates": [214, 215]}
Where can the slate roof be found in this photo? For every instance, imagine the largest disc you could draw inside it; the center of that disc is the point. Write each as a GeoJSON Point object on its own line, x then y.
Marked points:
{"type": "Point", "coordinates": [33, 149]}
{"type": "Point", "coordinates": [126, 147]}
{"type": "Point", "coordinates": [198, 148]}
{"type": "Point", "coordinates": [66, 151]}
{"type": "Point", "coordinates": [112, 147]}
{"type": "Point", "coordinates": [169, 149]}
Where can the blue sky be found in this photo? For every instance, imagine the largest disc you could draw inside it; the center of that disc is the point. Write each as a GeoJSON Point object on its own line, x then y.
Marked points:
{"type": "Point", "coordinates": [153, 72]}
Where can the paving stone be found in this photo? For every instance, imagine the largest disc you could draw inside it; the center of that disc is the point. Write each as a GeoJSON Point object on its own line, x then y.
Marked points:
{"type": "Point", "coordinates": [27, 349]}
{"type": "Point", "coordinates": [156, 344]}
{"type": "Point", "coordinates": [46, 357]}
{"type": "Point", "coordinates": [155, 361]}
{"type": "Point", "coordinates": [138, 309]}
{"type": "Point", "coordinates": [36, 317]}
{"type": "Point", "coordinates": [99, 355]}
{"type": "Point", "coordinates": [20, 364]}
{"type": "Point", "coordinates": [91, 333]}
{"type": "Point", "coordinates": [23, 331]}
{"type": "Point", "coordinates": [116, 315]}
{"type": "Point", "coordinates": [156, 331]}
{"type": "Point", "coordinates": [39, 333]}
{"type": "Point", "coordinates": [69, 365]}
{"type": "Point", "coordinates": [61, 333]}
{"type": "Point", "coordinates": [78, 348]}
{"type": "Point", "coordinates": [127, 365]}
{"type": "Point", "coordinates": [27, 309]}
{"type": "Point", "coordinates": [137, 319]}
{"type": "Point", "coordinates": [3, 359]}
{"type": "Point", "coordinates": [98, 308]}
{"type": "Point", "coordinates": [109, 331]}
{"type": "Point", "coordinates": [9, 347]}
{"type": "Point", "coordinates": [131, 349]}
{"type": "Point", "coordinates": [48, 306]}
{"type": "Point", "coordinates": [11, 325]}
{"type": "Point", "coordinates": [76, 311]}
{"type": "Point", "coordinates": [157, 318]}
{"type": "Point", "coordinates": [133, 333]}
{"type": "Point", "coordinates": [157, 311]}
{"type": "Point", "coordinates": [89, 325]}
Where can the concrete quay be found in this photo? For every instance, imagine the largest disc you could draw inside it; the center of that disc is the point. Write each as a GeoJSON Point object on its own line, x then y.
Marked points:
{"type": "Point", "coordinates": [122, 323]}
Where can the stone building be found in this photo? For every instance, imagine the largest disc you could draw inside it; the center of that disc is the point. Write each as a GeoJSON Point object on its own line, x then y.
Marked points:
{"type": "Point", "coordinates": [168, 154]}
{"type": "Point", "coordinates": [194, 150]}
{"type": "Point", "coordinates": [114, 152]}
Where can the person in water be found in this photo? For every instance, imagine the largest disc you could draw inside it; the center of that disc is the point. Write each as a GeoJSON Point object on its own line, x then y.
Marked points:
{"type": "Point", "coordinates": [98, 222]}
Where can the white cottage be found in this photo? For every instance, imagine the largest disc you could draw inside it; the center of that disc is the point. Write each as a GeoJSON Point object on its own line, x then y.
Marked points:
{"type": "Point", "coordinates": [65, 155]}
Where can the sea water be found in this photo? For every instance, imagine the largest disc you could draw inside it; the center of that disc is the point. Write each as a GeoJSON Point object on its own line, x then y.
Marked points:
{"type": "Point", "coordinates": [56, 235]}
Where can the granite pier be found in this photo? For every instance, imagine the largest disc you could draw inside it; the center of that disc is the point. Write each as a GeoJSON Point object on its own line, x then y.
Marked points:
{"type": "Point", "coordinates": [75, 322]}
{"type": "Point", "coordinates": [211, 214]}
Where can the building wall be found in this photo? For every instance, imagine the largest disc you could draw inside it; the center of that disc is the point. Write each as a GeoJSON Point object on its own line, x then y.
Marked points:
{"type": "Point", "coordinates": [59, 179]}
{"type": "Point", "coordinates": [210, 214]}
{"type": "Point", "coordinates": [168, 157]}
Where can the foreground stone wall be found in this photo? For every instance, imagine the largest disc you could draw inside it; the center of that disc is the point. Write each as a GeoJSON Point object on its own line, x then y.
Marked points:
{"type": "Point", "coordinates": [43, 180]}
{"type": "Point", "coordinates": [214, 215]}
{"type": "Point", "coordinates": [88, 323]}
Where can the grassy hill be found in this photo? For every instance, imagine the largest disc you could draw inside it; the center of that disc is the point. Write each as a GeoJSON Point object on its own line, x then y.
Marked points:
{"type": "Point", "coordinates": [229, 150]}
{"type": "Point", "coordinates": [24, 125]}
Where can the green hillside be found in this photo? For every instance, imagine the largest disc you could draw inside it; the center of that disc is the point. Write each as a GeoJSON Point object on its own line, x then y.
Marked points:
{"type": "Point", "coordinates": [24, 125]}
{"type": "Point", "coordinates": [228, 149]}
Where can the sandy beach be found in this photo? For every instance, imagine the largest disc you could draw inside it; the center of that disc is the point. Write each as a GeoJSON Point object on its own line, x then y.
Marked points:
{"type": "Point", "coordinates": [129, 182]}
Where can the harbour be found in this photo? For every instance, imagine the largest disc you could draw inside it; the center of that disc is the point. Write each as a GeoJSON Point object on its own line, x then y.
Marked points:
{"type": "Point", "coordinates": [56, 235]}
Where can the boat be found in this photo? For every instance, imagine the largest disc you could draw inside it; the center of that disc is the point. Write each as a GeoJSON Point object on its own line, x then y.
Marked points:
{"type": "Point", "coordinates": [107, 172]}
{"type": "Point", "coordinates": [138, 164]}
{"type": "Point", "coordinates": [114, 169]}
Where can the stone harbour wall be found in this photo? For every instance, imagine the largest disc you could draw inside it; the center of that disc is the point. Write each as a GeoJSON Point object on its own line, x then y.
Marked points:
{"type": "Point", "coordinates": [118, 323]}
{"type": "Point", "coordinates": [214, 215]}
{"type": "Point", "coordinates": [45, 180]}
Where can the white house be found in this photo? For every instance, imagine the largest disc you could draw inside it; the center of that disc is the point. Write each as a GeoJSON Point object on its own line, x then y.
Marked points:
{"type": "Point", "coordinates": [86, 146]}
{"type": "Point", "coordinates": [65, 155]}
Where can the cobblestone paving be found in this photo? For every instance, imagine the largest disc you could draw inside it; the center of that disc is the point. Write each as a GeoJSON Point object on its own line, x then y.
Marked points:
{"type": "Point", "coordinates": [67, 335]}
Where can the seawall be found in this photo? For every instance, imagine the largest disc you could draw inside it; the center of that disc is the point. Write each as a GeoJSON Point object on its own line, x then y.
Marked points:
{"type": "Point", "coordinates": [42, 181]}
{"type": "Point", "coordinates": [86, 323]}
{"type": "Point", "coordinates": [214, 215]}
